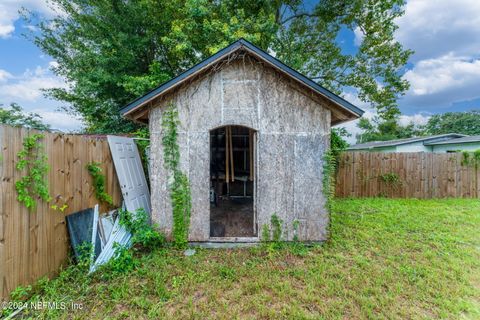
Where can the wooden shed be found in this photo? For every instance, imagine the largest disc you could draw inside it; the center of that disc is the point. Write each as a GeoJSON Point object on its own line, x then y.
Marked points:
{"type": "Point", "coordinates": [252, 136]}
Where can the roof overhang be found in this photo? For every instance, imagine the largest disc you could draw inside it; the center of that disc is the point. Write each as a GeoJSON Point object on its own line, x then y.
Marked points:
{"type": "Point", "coordinates": [398, 142]}
{"type": "Point", "coordinates": [342, 110]}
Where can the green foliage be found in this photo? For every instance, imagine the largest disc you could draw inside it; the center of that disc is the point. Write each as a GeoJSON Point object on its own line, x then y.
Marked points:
{"type": "Point", "coordinates": [454, 122]}
{"type": "Point", "coordinates": [33, 185]}
{"type": "Point", "coordinates": [266, 233]}
{"type": "Point", "coordinates": [471, 158]}
{"type": "Point", "coordinates": [391, 178]}
{"type": "Point", "coordinates": [171, 152]}
{"type": "Point", "coordinates": [227, 273]}
{"type": "Point", "coordinates": [143, 232]}
{"type": "Point", "coordinates": [300, 249]}
{"type": "Point", "coordinates": [180, 193]}
{"type": "Point", "coordinates": [21, 293]}
{"type": "Point", "coordinates": [122, 262]}
{"type": "Point", "coordinates": [381, 252]}
{"type": "Point", "coordinates": [330, 161]}
{"type": "Point", "coordinates": [85, 256]}
{"type": "Point", "coordinates": [181, 206]}
{"type": "Point", "coordinates": [379, 129]}
{"type": "Point", "coordinates": [277, 224]}
{"type": "Point", "coordinates": [272, 234]}
{"type": "Point", "coordinates": [465, 158]}
{"type": "Point", "coordinates": [296, 224]}
{"type": "Point", "coordinates": [61, 208]}
{"type": "Point", "coordinates": [308, 41]}
{"type": "Point", "coordinates": [111, 52]}
{"type": "Point", "coordinates": [99, 183]}
{"type": "Point", "coordinates": [337, 143]}
{"type": "Point", "coordinates": [16, 117]}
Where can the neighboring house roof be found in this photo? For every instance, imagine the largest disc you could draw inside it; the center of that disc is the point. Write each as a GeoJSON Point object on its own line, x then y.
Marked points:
{"type": "Point", "coordinates": [391, 143]}
{"type": "Point", "coordinates": [351, 111]}
{"type": "Point", "coordinates": [467, 139]}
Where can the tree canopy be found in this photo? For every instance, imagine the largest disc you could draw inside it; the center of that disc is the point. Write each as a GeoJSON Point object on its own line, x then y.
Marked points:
{"type": "Point", "coordinates": [450, 122]}
{"type": "Point", "coordinates": [454, 122]}
{"type": "Point", "coordinates": [379, 129]}
{"type": "Point", "coordinates": [15, 116]}
{"type": "Point", "coordinates": [110, 52]}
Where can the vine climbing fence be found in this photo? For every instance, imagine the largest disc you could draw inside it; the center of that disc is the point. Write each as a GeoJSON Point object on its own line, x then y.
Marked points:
{"type": "Point", "coordinates": [408, 175]}
{"type": "Point", "coordinates": [34, 242]}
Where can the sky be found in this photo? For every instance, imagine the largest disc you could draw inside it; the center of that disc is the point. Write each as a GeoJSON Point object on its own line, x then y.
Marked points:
{"type": "Point", "coordinates": [444, 71]}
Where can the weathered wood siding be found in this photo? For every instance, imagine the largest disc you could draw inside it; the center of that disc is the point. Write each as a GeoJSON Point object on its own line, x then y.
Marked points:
{"type": "Point", "coordinates": [35, 243]}
{"type": "Point", "coordinates": [292, 132]}
{"type": "Point", "coordinates": [406, 175]}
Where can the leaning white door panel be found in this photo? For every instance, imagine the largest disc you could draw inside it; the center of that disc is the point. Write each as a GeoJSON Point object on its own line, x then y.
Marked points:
{"type": "Point", "coordinates": [130, 173]}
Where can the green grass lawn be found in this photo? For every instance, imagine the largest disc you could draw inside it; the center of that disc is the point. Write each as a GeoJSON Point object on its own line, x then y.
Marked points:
{"type": "Point", "coordinates": [386, 259]}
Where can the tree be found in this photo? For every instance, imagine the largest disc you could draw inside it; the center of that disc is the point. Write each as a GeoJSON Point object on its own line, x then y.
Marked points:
{"type": "Point", "coordinates": [110, 52]}
{"type": "Point", "coordinates": [15, 116]}
{"type": "Point", "coordinates": [454, 122]}
{"type": "Point", "coordinates": [382, 130]}
{"type": "Point", "coordinates": [337, 141]}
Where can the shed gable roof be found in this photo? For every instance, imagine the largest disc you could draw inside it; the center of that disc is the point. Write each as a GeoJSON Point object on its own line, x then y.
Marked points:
{"type": "Point", "coordinates": [347, 109]}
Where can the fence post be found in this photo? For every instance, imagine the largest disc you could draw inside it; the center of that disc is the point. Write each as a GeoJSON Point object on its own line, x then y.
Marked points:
{"type": "Point", "coordinates": [2, 212]}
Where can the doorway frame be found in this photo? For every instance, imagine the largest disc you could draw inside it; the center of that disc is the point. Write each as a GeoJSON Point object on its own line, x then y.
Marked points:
{"type": "Point", "coordinates": [252, 239]}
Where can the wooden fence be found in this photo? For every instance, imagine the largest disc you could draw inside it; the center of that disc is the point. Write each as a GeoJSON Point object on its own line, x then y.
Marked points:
{"type": "Point", "coordinates": [406, 175]}
{"type": "Point", "coordinates": [35, 243]}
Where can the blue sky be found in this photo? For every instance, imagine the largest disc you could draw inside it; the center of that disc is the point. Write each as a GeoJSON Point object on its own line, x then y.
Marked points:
{"type": "Point", "coordinates": [444, 72]}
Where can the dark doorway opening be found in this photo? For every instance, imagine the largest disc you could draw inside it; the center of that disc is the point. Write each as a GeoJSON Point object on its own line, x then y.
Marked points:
{"type": "Point", "coordinates": [232, 182]}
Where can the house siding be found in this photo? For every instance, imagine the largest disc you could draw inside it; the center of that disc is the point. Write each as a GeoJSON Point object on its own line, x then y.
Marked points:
{"type": "Point", "coordinates": [442, 148]}
{"type": "Point", "coordinates": [414, 147]}
{"type": "Point", "coordinates": [293, 133]}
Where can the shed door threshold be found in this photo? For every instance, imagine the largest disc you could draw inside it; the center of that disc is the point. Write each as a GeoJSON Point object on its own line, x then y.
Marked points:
{"type": "Point", "coordinates": [233, 239]}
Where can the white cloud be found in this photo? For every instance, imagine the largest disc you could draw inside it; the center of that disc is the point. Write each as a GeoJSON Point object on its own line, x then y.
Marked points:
{"type": "Point", "coordinates": [59, 120]}
{"type": "Point", "coordinates": [25, 89]}
{"type": "Point", "coordinates": [351, 126]}
{"type": "Point", "coordinates": [6, 30]}
{"type": "Point", "coordinates": [418, 119]}
{"type": "Point", "coordinates": [439, 82]}
{"type": "Point", "coordinates": [358, 36]}
{"type": "Point", "coordinates": [447, 72]}
{"type": "Point", "coordinates": [9, 13]}
{"type": "Point", "coordinates": [436, 28]}
{"type": "Point", "coordinates": [28, 89]}
{"type": "Point", "coordinates": [53, 64]}
{"type": "Point", "coordinates": [445, 36]}
{"type": "Point", "coordinates": [353, 129]}
{"type": "Point", "coordinates": [4, 75]}
{"type": "Point", "coordinates": [352, 97]}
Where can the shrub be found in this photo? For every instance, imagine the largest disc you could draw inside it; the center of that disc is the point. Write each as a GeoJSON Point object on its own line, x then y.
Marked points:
{"type": "Point", "coordinates": [144, 234]}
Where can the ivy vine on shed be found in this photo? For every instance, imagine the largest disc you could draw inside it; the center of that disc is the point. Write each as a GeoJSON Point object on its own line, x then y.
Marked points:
{"type": "Point", "coordinates": [179, 185]}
